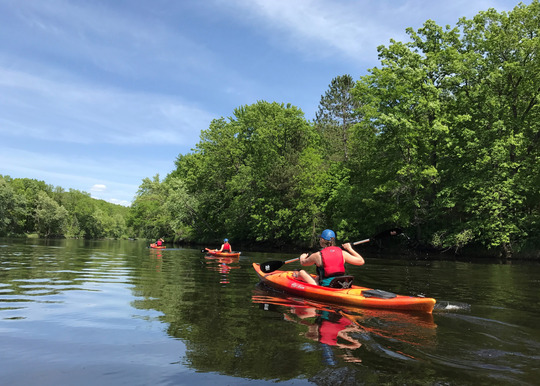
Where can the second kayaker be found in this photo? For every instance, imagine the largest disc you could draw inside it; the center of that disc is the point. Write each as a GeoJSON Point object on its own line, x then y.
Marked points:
{"type": "Point", "coordinates": [330, 261]}
{"type": "Point", "coordinates": [226, 247]}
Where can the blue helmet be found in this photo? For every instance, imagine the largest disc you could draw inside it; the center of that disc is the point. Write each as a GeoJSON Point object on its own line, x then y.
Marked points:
{"type": "Point", "coordinates": [328, 234]}
{"type": "Point", "coordinates": [225, 240]}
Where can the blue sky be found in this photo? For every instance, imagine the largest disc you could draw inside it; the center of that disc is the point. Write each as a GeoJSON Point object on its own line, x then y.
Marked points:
{"type": "Point", "coordinates": [97, 95]}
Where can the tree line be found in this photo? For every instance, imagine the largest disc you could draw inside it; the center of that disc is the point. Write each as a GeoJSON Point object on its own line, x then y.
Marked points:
{"type": "Point", "coordinates": [441, 139]}
{"type": "Point", "coordinates": [29, 206]}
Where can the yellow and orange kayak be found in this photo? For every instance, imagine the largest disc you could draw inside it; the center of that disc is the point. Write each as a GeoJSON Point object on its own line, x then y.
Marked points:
{"type": "Point", "coordinates": [354, 296]}
{"type": "Point", "coordinates": [215, 252]}
{"type": "Point", "coordinates": [157, 246]}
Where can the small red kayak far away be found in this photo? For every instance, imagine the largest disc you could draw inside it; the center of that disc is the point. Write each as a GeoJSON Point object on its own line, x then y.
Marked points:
{"type": "Point", "coordinates": [352, 295]}
{"type": "Point", "coordinates": [153, 245]}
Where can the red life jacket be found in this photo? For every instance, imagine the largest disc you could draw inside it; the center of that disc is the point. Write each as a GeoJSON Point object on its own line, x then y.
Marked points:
{"type": "Point", "coordinates": [227, 247]}
{"type": "Point", "coordinates": [159, 242]}
{"type": "Point", "coordinates": [328, 331]}
{"type": "Point", "coordinates": [333, 263]}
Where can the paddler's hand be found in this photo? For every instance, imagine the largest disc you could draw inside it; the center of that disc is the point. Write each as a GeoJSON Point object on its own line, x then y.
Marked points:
{"type": "Point", "coordinates": [347, 246]}
{"type": "Point", "coordinates": [303, 256]}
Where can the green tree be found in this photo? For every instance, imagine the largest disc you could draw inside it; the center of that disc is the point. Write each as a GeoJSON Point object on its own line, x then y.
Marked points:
{"type": "Point", "coordinates": [51, 218]}
{"type": "Point", "coordinates": [148, 216]}
{"type": "Point", "coordinates": [182, 209]}
{"type": "Point", "coordinates": [456, 141]}
{"type": "Point", "coordinates": [249, 175]}
{"type": "Point", "coordinates": [12, 209]}
{"type": "Point", "coordinates": [337, 113]}
{"type": "Point", "coordinates": [118, 227]}
{"type": "Point", "coordinates": [499, 142]}
{"type": "Point", "coordinates": [28, 206]}
{"type": "Point", "coordinates": [30, 189]}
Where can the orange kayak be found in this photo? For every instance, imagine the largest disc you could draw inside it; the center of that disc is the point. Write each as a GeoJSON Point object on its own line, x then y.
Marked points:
{"type": "Point", "coordinates": [215, 252]}
{"type": "Point", "coordinates": [157, 247]}
{"type": "Point", "coordinates": [353, 296]}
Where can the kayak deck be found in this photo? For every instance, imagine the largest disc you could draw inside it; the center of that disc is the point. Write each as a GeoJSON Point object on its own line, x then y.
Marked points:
{"type": "Point", "coordinates": [354, 296]}
{"type": "Point", "coordinates": [157, 246]}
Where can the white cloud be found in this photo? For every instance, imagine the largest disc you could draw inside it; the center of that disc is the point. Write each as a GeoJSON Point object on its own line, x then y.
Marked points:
{"type": "Point", "coordinates": [119, 202]}
{"type": "Point", "coordinates": [322, 29]}
{"type": "Point", "coordinates": [98, 188]}
{"type": "Point", "coordinates": [36, 107]}
{"type": "Point", "coordinates": [351, 29]}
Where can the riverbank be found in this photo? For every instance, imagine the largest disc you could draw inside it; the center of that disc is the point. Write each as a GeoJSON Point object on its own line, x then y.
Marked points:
{"type": "Point", "coordinates": [400, 248]}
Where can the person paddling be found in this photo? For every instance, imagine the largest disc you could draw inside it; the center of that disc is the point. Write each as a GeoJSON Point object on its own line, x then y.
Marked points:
{"type": "Point", "coordinates": [160, 242]}
{"type": "Point", "coordinates": [330, 261]}
{"type": "Point", "coordinates": [226, 247]}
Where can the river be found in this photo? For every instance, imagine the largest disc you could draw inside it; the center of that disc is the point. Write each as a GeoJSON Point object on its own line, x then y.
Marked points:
{"type": "Point", "coordinates": [76, 312]}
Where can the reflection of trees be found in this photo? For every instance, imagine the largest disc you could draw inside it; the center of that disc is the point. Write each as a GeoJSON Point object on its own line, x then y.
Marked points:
{"type": "Point", "coordinates": [225, 332]}
{"type": "Point", "coordinates": [41, 267]}
{"type": "Point", "coordinates": [221, 328]}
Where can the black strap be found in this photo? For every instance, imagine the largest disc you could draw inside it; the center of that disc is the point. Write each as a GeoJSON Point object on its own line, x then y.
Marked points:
{"type": "Point", "coordinates": [376, 293]}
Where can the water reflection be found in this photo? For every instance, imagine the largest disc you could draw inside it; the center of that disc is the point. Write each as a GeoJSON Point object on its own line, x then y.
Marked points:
{"type": "Point", "coordinates": [223, 265]}
{"type": "Point", "coordinates": [347, 329]}
{"type": "Point", "coordinates": [157, 255]}
{"type": "Point", "coordinates": [119, 313]}
{"type": "Point", "coordinates": [328, 328]}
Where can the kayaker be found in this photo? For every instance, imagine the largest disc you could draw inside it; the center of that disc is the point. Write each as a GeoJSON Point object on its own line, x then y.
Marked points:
{"type": "Point", "coordinates": [330, 261]}
{"type": "Point", "coordinates": [160, 242]}
{"type": "Point", "coordinates": [225, 247]}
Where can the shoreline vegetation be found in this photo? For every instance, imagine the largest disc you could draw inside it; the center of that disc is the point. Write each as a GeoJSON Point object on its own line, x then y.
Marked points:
{"type": "Point", "coordinates": [442, 140]}
{"type": "Point", "coordinates": [401, 249]}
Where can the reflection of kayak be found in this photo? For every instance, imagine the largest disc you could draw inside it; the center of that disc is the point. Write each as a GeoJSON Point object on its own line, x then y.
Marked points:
{"type": "Point", "coordinates": [413, 328]}
{"type": "Point", "coordinates": [223, 265]}
{"type": "Point", "coordinates": [215, 252]}
{"type": "Point", "coordinates": [157, 246]}
{"type": "Point", "coordinates": [223, 260]}
{"type": "Point", "coordinates": [354, 296]}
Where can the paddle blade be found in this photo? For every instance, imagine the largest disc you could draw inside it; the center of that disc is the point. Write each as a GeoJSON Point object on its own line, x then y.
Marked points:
{"type": "Point", "coordinates": [271, 266]}
{"type": "Point", "coordinates": [388, 233]}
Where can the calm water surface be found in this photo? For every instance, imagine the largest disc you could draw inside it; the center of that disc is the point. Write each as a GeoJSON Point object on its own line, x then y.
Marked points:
{"type": "Point", "coordinates": [117, 313]}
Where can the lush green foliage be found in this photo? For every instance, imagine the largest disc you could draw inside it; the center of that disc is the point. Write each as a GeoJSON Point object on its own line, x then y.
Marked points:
{"type": "Point", "coordinates": [441, 139]}
{"type": "Point", "coordinates": [456, 118]}
{"type": "Point", "coordinates": [256, 177]}
{"type": "Point", "coordinates": [338, 112]}
{"type": "Point", "coordinates": [31, 206]}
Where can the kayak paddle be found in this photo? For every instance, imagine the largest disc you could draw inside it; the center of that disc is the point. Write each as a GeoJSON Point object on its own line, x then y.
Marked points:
{"type": "Point", "coordinates": [383, 234]}
{"type": "Point", "coordinates": [271, 266]}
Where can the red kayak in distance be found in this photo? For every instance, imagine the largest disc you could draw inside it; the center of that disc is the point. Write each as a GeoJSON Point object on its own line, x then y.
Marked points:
{"type": "Point", "coordinates": [215, 252]}
{"type": "Point", "coordinates": [153, 245]}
